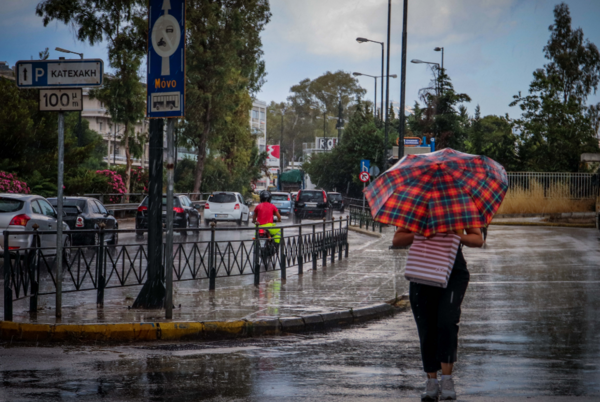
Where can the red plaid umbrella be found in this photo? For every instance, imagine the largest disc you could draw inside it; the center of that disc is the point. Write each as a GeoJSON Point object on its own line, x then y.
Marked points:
{"type": "Point", "coordinates": [437, 192]}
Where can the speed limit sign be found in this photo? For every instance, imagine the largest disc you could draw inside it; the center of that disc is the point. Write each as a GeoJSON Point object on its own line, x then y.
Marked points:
{"type": "Point", "coordinates": [364, 177]}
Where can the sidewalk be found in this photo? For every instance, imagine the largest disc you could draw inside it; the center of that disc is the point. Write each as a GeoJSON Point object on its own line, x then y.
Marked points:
{"type": "Point", "coordinates": [370, 276]}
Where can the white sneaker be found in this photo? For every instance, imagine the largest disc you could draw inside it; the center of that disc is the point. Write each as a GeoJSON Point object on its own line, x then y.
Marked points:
{"type": "Point", "coordinates": [447, 390]}
{"type": "Point", "coordinates": [432, 390]}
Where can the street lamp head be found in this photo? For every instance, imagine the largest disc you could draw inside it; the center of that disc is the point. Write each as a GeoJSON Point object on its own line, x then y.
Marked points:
{"type": "Point", "coordinates": [393, 76]}
{"type": "Point", "coordinates": [362, 40]}
{"type": "Point", "coordinates": [438, 49]}
{"type": "Point", "coordinates": [356, 74]}
{"type": "Point", "coordinates": [60, 49]}
{"type": "Point", "coordinates": [416, 61]}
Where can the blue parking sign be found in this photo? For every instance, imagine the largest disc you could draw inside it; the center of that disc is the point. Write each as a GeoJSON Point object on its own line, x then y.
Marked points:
{"type": "Point", "coordinates": [365, 164]}
{"type": "Point", "coordinates": [166, 59]}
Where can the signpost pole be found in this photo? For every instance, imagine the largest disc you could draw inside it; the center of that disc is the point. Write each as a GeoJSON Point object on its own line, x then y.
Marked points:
{"type": "Point", "coordinates": [363, 209]}
{"type": "Point", "coordinates": [59, 210]}
{"type": "Point", "coordinates": [169, 243]}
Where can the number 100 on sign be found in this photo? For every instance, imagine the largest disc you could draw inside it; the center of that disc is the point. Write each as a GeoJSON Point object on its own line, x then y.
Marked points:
{"type": "Point", "coordinates": [60, 100]}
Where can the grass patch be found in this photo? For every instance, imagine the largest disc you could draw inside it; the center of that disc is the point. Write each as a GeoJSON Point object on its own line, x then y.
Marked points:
{"type": "Point", "coordinates": [556, 199]}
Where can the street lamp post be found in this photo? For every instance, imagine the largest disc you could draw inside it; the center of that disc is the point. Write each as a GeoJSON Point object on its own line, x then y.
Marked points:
{"type": "Point", "coordinates": [417, 61]}
{"type": "Point", "coordinates": [363, 40]}
{"type": "Point", "coordinates": [403, 82]}
{"type": "Point", "coordinates": [60, 49]}
{"type": "Point", "coordinates": [438, 49]}
{"type": "Point", "coordinates": [375, 77]}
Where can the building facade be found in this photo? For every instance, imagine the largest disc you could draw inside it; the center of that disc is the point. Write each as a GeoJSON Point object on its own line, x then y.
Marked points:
{"type": "Point", "coordinates": [101, 122]}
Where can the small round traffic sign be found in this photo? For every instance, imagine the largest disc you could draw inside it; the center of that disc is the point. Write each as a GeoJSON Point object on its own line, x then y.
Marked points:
{"type": "Point", "coordinates": [364, 177]}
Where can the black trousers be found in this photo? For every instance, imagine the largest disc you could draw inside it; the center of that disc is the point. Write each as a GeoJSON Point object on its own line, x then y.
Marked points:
{"type": "Point", "coordinates": [437, 314]}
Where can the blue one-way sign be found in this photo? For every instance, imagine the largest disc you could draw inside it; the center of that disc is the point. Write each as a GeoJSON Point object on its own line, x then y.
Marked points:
{"type": "Point", "coordinates": [59, 73]}
{"type": "Point", "coordinates": [166, 59]}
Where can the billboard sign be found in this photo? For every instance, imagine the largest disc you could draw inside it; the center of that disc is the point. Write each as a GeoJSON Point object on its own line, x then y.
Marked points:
{"type": "Point", "coordinates": [273, 156]}
{"type": "Point", "coordinates": [166, 59]}
{"type": "Point", "coordinates": [326, 143]}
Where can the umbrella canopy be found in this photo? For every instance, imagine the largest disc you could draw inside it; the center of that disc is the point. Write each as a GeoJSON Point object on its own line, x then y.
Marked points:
{"type": "Point", "coordinates": [439, 191]}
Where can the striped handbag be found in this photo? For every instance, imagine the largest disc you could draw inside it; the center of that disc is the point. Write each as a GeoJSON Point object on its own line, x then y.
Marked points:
{"type": "Point", "coordinates": [430, 260]}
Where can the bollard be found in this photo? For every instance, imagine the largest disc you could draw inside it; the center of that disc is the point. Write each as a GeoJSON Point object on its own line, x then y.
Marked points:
{"type": "Point", "coordinates": [314, 249]}
{"type": "Point", "coordinates": [300, 251]}
{"type": "Point", "coordinates": [282, 256]}
{"type": "Point", "coordinates": [33, 270]}
{"type": "Point", "coordinates": [323, 246]}
{"type": "Point", "coordinates": [8, 305]}
{"type": "Point", "coordinates": [212, 271]}
{"type": "Point", "coordinates": [256, 257]}
{"type": "Point", "coordinates": [101, 268]}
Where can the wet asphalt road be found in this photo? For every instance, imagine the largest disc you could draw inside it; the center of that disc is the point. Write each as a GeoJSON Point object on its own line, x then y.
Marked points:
{"type": "Point", "coordinates": [530, 331]}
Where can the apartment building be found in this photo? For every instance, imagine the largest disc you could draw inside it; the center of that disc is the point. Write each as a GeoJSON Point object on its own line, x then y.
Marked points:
{"type": "Point", "coordinates": [258, 123]}
{"type": "Point", "coordinates": [100, 121]}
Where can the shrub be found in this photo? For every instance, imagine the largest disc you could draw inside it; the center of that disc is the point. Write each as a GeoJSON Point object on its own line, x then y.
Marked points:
{"type": "Point", "coordinates": [9, 183]}
{"type": "Point", "coordinates": [115, 184]}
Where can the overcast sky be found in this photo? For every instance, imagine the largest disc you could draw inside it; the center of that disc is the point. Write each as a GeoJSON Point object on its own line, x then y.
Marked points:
{"type": "Point", "coordinates": [491, 46]}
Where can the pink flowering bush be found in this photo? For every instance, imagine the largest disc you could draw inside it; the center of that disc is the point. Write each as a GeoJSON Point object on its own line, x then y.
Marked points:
{"type": "Point", "coordinates": [115, 184]}
{"type": "Point", "coordinates": [9, 183]}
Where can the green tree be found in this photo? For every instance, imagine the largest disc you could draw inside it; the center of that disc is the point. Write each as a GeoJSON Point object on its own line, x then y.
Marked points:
{"type": "Point", "coordinates": [493, 136]}
{"type": "Point", "coordinates": [556, 125]}
{"type": "Point", "coordinates": [339, 168]}
{"type": "Point", "coordinates": [123, 24]}
{"type": "Point", "coordinates": [224, 67]}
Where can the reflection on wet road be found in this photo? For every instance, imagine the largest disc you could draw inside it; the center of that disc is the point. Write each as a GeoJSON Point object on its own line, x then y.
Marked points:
{"type": "Point", "coordinates": [530, 328]}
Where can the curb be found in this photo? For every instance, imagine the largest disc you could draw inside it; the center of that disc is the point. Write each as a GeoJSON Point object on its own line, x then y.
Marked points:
{"type": "Point", "coordinates": [556, 224]}
{"type": "Point", "coordinates": [206, 330]}
{"type": "Point", "coordinates": [364, 231]}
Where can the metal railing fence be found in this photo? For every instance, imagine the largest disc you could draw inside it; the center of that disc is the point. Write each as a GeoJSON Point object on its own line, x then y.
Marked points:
{"type": "Point", "coordinates": [31, 272]}
{"type": "Point", "coordinates": [119, 198]}
{"type": "Point", "coordinates": [360, 218]}
{"type": "Point", "coordinates": [556, 185]}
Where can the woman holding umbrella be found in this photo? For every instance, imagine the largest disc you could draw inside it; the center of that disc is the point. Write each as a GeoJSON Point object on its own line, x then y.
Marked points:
{"type": "Point", "coordinates": [442, 192]}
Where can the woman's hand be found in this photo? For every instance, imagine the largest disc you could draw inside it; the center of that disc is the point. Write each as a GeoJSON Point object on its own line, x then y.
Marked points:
{"type": "Point", "coordinates": [473, 238]}
{"type": "Point", "coordinates": [403, 237]}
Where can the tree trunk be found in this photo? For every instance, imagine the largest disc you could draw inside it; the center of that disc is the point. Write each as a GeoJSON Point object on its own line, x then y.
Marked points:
{"type": "Point", "coordinates": [127, 178]}
{"type": "Point", "coordinates": [201, 160]}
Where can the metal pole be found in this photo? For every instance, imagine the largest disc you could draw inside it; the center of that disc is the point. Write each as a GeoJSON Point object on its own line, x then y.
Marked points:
{"type": "Point", "coordinates": [340, 121]}
{"type": "Point", "coordinates": [8, 304]}
{"type": "Point", "coordinates": [169, 239]}
{"type": "Point", "coordinates": [382, 75]}
{"type": "Point", "coordinates": [363, 208]}
{"type": "Point", "coordinates": [375, 107]}
{"type": "Point", "coordinates": [387, 88]}
{"type": "Point", "coordinates": [59, 211]}
{"type": "Point", "coordinates": [115, 144]}
{"type": "Point", "coordinates": [403, 83]}
{"type": "Point", "coordinates": [281, 146]}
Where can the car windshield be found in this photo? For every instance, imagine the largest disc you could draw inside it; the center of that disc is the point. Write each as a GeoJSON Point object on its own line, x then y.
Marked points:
{"type": "Point", "coordinates": [311, 196]}
{"type": "Point", "coordinates": [10, 205]}
{"type": "Point", "coordinates": [335, 197]}
{"type": "Point", "coordinates": [68, 203]}
{"type": "Point", "coordinates": [222, 198]}
{"type": "Point", "coordinates": [164, 202]}
{"type": "Point", "coordinates": [279, 197]}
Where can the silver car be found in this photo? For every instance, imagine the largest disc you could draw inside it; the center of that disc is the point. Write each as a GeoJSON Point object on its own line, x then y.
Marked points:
{"type": "Point", "coordinates": [19, 212]}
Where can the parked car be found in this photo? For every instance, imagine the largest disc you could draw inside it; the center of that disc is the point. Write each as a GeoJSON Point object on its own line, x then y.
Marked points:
{"type": "Point", "coordinates": [185, 214]}
{"type": "Point", "coordinates": [337, 201]}
{"type": "Point", "coordinates": [83, 213]}
{"type": "Point", "coordinates": [311, 204]}
{"type": "Point", "coordinates": [226, 206]}
{"type": "Point", "coordinates": [19, 212]}
{"type": "Point", "coordinates": [283, 202]}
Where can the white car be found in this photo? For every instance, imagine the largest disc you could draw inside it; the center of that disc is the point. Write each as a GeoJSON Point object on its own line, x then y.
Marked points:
{"type": "Point", "coordinates": [226, 206]}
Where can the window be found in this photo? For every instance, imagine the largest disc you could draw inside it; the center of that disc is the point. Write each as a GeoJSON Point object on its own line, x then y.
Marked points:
{"type": "Point", "coordinates": [100, 127]}
{"type": "Point", "coordinates": [262, 115]}
{"type": "Point", "coordinates": [94, 207]}
{"type": "Point", "coordinates": [280, 197]}
{"type": "Point", "coordinates": [221, 198]}
{"type": "Point", "coordinates": [35, 207]}
{"type": "Point", "coordinates": [47, 209]}
{"type": "Point", "coordinates": [101, 208]}
{"type": "Point", "coordinates": [240, 198]}
{"type": "Point", "coordinates": [10, 205]}
{"type": "Point", "coordinates": [311, 196]}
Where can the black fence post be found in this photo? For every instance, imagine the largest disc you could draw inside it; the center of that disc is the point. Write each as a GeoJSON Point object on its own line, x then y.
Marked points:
{"type": "Point", "coordinates": [101, 261]}
{"type": "Point", "coordinates": [256, 257]}
{"type": "Point", "coordinates": [332, 240]}
{"type": "Point", "coordinates": [8, 307]}
{"type": "Point", "coordinates": [300, 251]}
{"type": "Point", "coordinates": [282, 255]}
{"type": "Point", "coordinates": [346, 237]}
{"type": "Point", "coordinates": [34, 272]}
{"type": "Point", "coordinates": [314, 248]}
{"type": "Point", "coordinates": [323, 245]}
{"type": "Point", "coordinates": [211, 259]}
{"type": "Point", "coordinates": [339, 241]}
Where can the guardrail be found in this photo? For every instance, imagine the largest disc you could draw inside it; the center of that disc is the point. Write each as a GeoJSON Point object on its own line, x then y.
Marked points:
{"type": "Point", "coordinates": [360, 217]}
{"type": "Point", "coordinates": [31, 272]}
{"type": "Point", "coordinates": [138, 197]}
